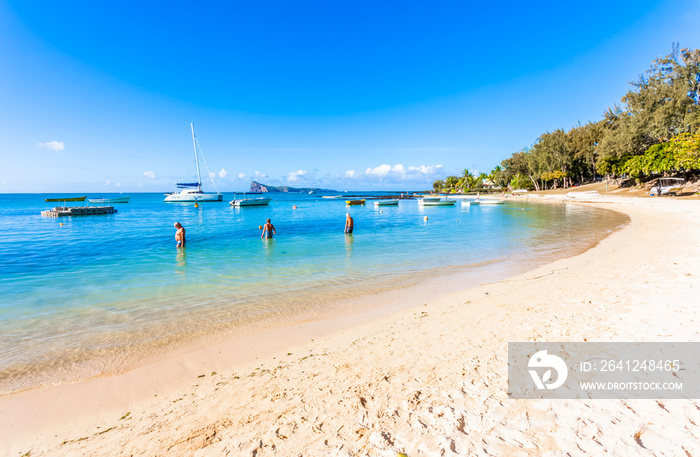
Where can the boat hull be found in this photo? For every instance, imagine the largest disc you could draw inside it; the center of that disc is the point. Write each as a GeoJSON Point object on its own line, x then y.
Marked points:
{"type": "Point", "coordinates": [665, 190]}
{"type": "Point", "coordinates": [109, 200]}
{"type": "Point", "coordinates": [386, 203]}
{"type": "Point", "coordinates": [438, 203]}
{"type": "Point", "coordinates": [179, 198]}
{"type": "Point", "coordinates": [492, 202]}
{"type": "Point", "coordinates": [66, 199]}
{"type": "Point", "coordinates": [355, 202]}
{"type": "Point", "coordinates": [250, 202]}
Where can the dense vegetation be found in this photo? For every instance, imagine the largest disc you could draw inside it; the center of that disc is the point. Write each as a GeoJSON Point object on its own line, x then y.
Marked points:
{"type": "Point", "coordinates": [656, 130]}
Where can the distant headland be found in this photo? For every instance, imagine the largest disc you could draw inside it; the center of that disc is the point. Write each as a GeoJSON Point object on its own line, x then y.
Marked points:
{"type": "Point", "coordinates": [257, 187]}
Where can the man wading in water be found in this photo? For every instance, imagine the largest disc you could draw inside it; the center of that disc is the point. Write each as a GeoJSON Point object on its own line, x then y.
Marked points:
{"type": "Point", "coordinates": [180, 235]}
{"type": "Point", "coordinates": [349, 223]}
{"type": "Point", "coordinates": [268, 229]}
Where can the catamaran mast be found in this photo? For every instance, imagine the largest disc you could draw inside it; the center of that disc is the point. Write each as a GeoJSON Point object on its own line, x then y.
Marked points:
{"type": "Point", "coordinates": [196, 159]}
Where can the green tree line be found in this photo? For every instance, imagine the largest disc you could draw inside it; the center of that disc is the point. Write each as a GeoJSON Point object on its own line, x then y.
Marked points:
{"type": "Point", "coordinates": [656, 129]}
{"type": "Point", "coordinates": [467, 182]}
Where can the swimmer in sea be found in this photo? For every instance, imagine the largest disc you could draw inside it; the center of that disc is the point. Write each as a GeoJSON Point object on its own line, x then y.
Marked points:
{"type": "Point", "coordinates": [268, 230]}
{"type": "Point", "coordinates": [180, 235]}
{"type": "Point", "coordinates": [349, 223]}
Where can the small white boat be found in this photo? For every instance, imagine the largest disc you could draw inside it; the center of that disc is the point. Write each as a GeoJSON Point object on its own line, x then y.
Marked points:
{"type": "Point", "coordinates": [438, 202]}
{"type": "Point", "coordinates": [429, 199]}
{"type": "Point", "coordinates": [470, 202]}
{"type": "Point", "coordinates": [386, 203]}
{"type": "Point", "coordinates": [102, 201]}
{"type": "Point", "coordinates": [261, 201]}
{"type": "Point", "coordinates": [192, 191]}
{"type": "Point", "coordinates": [486, 201]}
{"type": "Point", "coordinates": [668, 186]}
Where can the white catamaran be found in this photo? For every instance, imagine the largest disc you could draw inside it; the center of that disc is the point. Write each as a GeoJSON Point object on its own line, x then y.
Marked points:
{"type": "Point", "coordinates": [192, 191]}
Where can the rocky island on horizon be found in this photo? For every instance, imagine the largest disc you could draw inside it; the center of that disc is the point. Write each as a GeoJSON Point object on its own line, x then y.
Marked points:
{"type": "Point", "coordinates": [257, 187]}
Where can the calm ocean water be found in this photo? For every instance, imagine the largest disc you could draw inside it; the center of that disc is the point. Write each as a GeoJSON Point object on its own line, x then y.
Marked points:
{"type": "Point", "coordinates": [85, 296]}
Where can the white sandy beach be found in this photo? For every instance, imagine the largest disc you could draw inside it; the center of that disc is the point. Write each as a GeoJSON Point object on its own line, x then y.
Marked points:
{"type": "Point", "coordinates": [430, 380]}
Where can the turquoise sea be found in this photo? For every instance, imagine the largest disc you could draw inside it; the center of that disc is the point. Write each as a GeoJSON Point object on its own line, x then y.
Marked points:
{"type": "Point", "coordinates": [86, 296]}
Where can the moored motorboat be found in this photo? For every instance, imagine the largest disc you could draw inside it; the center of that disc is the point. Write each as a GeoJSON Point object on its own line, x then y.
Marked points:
{"type": "Point", "coordinates": [386, 203]}
{"type": "Point", "coordinates": [486, 201]}
{"type": "Point", "coordinates": [355, 202]}
{"type": "Point", "coordinates": [432, 202]}
{"type": "Point", "coordinates": [102, 201]}
{"type": "Point", "coordinates": [261, 201]}
{"type": "Point", "coordinates": [66, 199]}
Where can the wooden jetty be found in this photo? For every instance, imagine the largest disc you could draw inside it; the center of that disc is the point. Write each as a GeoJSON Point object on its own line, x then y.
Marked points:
{"type": "Point", "coordinates": [61, 211]}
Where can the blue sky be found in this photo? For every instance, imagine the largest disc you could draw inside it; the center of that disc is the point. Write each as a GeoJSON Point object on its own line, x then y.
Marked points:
{"type": "Point", "coordinates": [98, 97]}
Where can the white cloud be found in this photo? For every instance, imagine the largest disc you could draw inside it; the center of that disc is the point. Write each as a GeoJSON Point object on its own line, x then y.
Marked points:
{"type": "Point", "coordinates": [427, 170]}
{"type": "Point", "coordinates": [260, 175]}
{"type": "Point", "coordinates": [107, 183]}
{"type": "Point", "coordinates": [54, 145]}
{"type": "Point", "coordinates": [118, 184]}
{"type": "Point", "coordinates": [295, 176]}
{"type": "Point", "coordinates": [212, 175]}
{"type": "Point", "coordinates": [241, 175]}
{"type": "Point", "coordinates": [381, 171]}
{"type": "Point", "coordinates": [139, 184]}
{"type": "Point", "coordinates": [149, 174]}
{"type": "Point", "coordinates": [223, 173]}
{"type": "Point", "coordinates": [399, 173]}
{"type": "Point", "coordinates": [398, 168]}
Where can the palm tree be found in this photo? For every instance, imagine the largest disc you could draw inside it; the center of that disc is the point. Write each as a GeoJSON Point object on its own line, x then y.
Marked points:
{"type": "Point", "coordinates": [468, 180]}
{"type": "Point", "coordinates": [480, 179]}
{"type": "Point", "coordinates": [451, 182]}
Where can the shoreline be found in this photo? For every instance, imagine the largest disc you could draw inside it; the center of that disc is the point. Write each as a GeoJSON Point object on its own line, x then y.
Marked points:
{"type": "Point", "coordinates": [341, 314]}
{"type": "Point", "coordinates": [391, 292]}
{"type": "Point", "coordinates": [17, 408]}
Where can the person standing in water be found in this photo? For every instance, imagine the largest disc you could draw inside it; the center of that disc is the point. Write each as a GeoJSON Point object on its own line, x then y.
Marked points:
{"type": "Point", "coordinates": [179, 235]}
{"type": "Point", "coordinates": [349, 223]}
{"type": "Point", "coordinates": [268, 230]}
